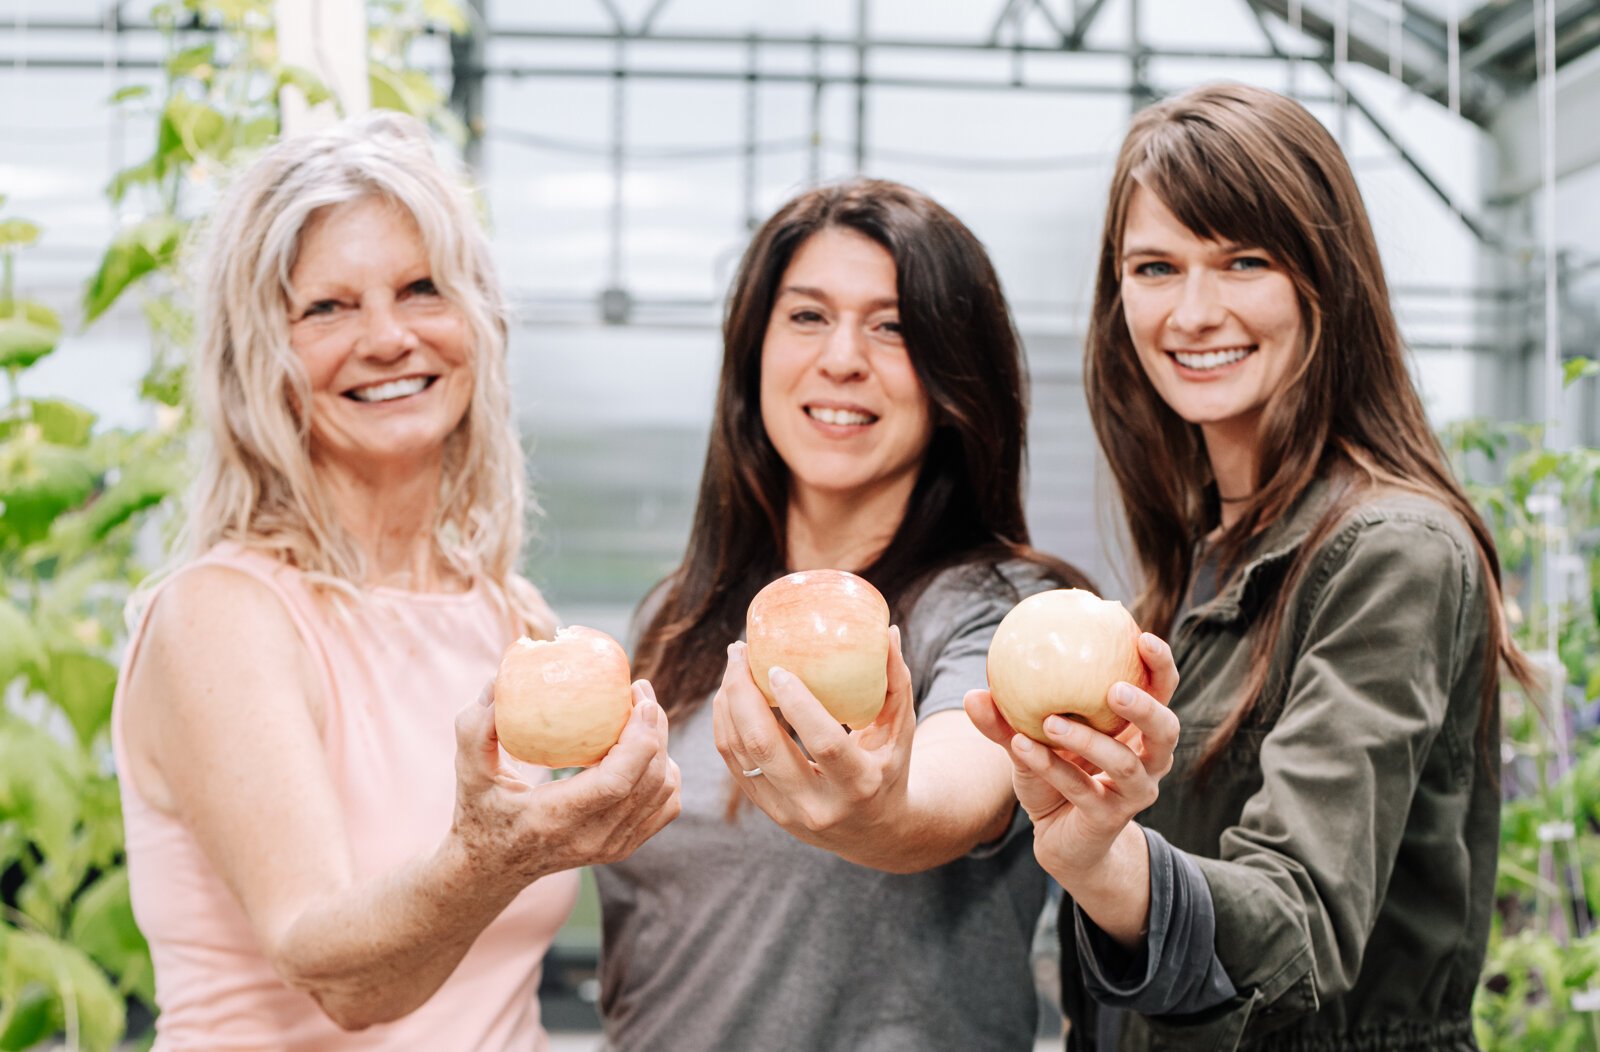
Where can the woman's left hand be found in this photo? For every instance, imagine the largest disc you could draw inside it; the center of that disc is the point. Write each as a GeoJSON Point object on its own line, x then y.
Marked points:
{"type": "Point", "coordinates": [843, 785]}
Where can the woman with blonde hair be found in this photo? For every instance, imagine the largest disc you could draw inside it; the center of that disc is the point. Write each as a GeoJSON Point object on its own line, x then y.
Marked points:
{"type": "Point", "coordinates": [318, 842]}
{"type": "Point", "coordinates": [1318, 871]}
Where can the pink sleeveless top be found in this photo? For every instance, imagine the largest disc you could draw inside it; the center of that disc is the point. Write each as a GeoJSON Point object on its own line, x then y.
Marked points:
{"type": "Point", "coordinates": [395, 669]}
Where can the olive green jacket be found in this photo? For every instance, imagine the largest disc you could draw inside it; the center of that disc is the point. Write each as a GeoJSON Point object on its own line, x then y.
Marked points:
{"type": "Point", "coordinates": [1349, 836]}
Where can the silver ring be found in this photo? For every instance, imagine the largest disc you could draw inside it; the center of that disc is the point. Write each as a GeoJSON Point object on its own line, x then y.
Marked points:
{"type": "Point", "coordinates": [754, 772]}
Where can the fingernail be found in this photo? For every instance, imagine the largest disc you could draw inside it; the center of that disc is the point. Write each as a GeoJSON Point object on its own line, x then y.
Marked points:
{"type": "Point", "coordinates": [1022, 743]}
{"type": "Point", "coordinates": [487, 695]}
{"type": "Point", "coordinates": [777, 676]}
{"type": "Point", "coordinates": [651, 712]}
{"type": "Point", "coordinates": [647, 690]}
{"type": "Point", "coordinates": [1122, 694]}
{"type": "Point", "coordinates": [1056, 725]}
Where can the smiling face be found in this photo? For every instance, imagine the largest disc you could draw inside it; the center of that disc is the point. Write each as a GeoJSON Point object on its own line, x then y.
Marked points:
{"type": "Point", "coordinates": [839, 398]}
{"type": "Point", "coordinates": [1217, 326]}
{"type": "Point", "coordinates": [388, 358]}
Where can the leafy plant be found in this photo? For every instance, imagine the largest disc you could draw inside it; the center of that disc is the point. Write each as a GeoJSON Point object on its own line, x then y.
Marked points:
{"type": "Point", "coordinates": [1541, 987]}
{"type": "Point", "coordinates": [70, 953]}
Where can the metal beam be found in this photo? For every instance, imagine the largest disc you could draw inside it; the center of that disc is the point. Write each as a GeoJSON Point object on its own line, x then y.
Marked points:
{"type": "Point", "coordinates": [1000, 21]}
{"type": "Point", "coordinates": [648, 22]}
{"type": "Point", "coordinates": [1049, 17]}
{"type": "Point", "coordinates": [1082, 24]}
{"type": "Point", "coordinates": [467, 54]}
{"type": "Point", "coordinates": [1424, 73]}
{"type": "Point", "coordinates": [1479, 229]}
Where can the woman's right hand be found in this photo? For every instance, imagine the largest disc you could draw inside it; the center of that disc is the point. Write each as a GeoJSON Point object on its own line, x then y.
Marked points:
{"type": "Point", "coordinates": [520, 831]}
{"type": "Point", "coordinates": [1082, 789]}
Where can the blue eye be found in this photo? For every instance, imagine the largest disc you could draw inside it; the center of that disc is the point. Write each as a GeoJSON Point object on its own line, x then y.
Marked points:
{"type": "Point", "coordinates": [320, 307]}
{"type": "Point", "coordinates": [1251, 263]}
{"type": "Point", "coordinates": [1155, 270]}
{"type": "Point", "coordinates": [805, 317]}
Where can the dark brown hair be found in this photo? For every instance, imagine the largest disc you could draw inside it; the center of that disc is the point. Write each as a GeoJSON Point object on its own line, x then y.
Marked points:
{"type": "Point", "coordinates": [1249, 166]}
{"type": "Point", "coordinates": [966, 504]}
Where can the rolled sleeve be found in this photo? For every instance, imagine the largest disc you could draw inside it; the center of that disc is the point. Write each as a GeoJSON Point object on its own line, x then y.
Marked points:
{"type": "Point", "coordinates": [1176, 970]}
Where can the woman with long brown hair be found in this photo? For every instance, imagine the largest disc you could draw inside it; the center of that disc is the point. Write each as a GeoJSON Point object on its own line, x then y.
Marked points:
{"type": "Point", "coordinates": [1319, 872]}
{"type": "Point", "coordinates": [842, 890]}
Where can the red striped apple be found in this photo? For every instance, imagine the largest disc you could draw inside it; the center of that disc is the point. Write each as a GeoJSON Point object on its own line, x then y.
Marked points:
{"type": "Point", "coordinates": [830, 628]}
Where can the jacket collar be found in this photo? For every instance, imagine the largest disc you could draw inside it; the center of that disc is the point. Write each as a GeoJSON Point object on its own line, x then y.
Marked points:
{"type": "Point", "coordinates": [1269, 554]}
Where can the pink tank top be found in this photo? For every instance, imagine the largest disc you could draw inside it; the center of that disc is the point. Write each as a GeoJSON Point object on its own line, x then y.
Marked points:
{"type": "Point", "coordinates": [395, 669]}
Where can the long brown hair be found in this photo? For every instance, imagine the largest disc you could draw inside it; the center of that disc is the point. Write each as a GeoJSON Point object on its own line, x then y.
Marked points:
{"type": "Point", "coordinates": [1249, 166]}
{"type": "Point", "coordinates": [967, 501]}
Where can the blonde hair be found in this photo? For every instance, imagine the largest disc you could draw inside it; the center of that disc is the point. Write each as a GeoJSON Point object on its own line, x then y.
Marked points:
{"type": "Point", "coordinates": [256, 485]}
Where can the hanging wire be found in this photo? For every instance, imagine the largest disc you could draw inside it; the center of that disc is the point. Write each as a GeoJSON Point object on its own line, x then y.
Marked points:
{"type": "Point", "coordinates": [1453, 54]}
{"type": "Point", "coordinates": [1397, 20]}
{"type": "Point", "coordinates": [1559, 836]}
{"type": "Point", "coordinates": [641, 155]}
{"type": "Point", "coordinates": [1341, 60]}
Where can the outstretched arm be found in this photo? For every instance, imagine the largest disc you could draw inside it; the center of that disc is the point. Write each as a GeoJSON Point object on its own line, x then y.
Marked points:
{"type": "Point", "coordinates": [223, 731]}
{"type": "Point", "coordinates": [897, 795]}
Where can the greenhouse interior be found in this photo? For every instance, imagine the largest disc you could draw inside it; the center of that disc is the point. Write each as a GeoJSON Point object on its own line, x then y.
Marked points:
{"type": "Point", "coordinates": [623, 158]}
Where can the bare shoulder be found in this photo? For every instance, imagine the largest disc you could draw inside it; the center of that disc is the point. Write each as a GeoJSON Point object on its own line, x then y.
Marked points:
{"type": "Point", "coordinates": [212, 614]}
{"type": "Point", "coordinates": [219, 653]}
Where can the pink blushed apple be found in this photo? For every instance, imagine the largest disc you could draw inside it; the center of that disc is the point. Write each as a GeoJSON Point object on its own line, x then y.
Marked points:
{"type": "Point", "coordinates": [562, 702]}
{"type": "Point", "coordinates": [1060, 652]}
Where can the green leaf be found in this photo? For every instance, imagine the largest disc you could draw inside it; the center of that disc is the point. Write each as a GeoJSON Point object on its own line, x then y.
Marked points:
{"type": "Point", "coordinates": [16, 233]}
{"type": "Point", "coordinates": [28, 331]}
{"type": "Point", "coordinates": [61, 422]}
{"type": "Point", "coordinates": [38, 788]}
{"type": "Point", "coordinates": [1578, 368]}
{"type": "Point", "coordinates": [389, 91]}
{"type": "Point", "coordinates": [20, 649]}
{"type": "Point", "coordinates": [81, 685]}
{"type": "Point", "coordinates": [195, 61]}
{"type": "Point", "coordinates": [143, 483]}
{"type": "Point", "coordinates": [256, 132]}
{"type": "Point", "coordinates": [145, 172]}
{"type": "Point", "coordinates": [70, 975]}
{"type": "Point", "coordinates": [40, 484]}
{"type": "Point", "coordinates": [198, 126]}
{"type": "Point", "coordinates": [103, 927]}
{"type": "Point", "coordinates": [130, 91]}
{"type": "Point", "coordinates": [133, 253]}
{"type": "Point", "coordinates": [34, 1017]}
{"type": "Point", "coordinates": [310, 85]}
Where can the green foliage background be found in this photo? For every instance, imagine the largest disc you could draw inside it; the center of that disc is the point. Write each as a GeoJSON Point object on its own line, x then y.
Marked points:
{"type": "Point", "coordinates": [1541, 985]}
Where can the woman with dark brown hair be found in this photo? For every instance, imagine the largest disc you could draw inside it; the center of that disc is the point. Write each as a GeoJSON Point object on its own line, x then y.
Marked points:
{"type": "Point", "coordinates": [1319, 873]}
{"type": "Point", "coordinates": [842, 890]}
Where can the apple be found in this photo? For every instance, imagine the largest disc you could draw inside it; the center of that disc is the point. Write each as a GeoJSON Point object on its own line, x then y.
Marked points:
{"type": "Point", "coordinates": [1059, 652]}
{"type": "Point", "coordinates": [830, 628]}
{"type": "Point", "coordinates": [562, 702]}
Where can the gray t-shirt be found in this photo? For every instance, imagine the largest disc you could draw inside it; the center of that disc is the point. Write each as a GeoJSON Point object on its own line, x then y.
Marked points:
{"type": "Point", "coordinates": [724, 935]}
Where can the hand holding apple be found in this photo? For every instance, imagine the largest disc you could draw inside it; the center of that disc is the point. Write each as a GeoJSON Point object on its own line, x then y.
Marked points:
{"type": "Point", "coordinates": [1060, 652]}
{"type": "Point", "coordinates": [831, 629]}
